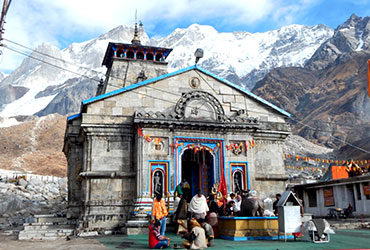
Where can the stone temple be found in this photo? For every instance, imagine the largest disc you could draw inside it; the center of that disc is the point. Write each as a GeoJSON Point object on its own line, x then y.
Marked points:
{"type": "Point", "coordinates": [146, 130]}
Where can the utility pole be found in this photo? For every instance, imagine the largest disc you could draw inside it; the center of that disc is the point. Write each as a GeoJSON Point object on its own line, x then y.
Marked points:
{"type": "Point", "coordinates": [6, 4]}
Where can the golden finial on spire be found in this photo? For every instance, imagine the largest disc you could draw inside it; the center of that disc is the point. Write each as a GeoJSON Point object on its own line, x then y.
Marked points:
{"type": "Point", "coordinates": [136, 39]}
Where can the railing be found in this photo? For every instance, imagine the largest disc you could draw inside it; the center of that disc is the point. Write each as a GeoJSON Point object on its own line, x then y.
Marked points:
{"type": "Point", "coordinates": [11, 175]}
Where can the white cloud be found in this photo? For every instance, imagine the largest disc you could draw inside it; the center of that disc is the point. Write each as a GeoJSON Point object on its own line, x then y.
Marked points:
{"type": "Point", "coordinates": [59, 22]}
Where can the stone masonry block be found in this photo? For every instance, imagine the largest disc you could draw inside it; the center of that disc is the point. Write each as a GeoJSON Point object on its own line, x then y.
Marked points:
{"type": "Point", "coordinates": [106, 110]}
{"type": "Point", "coordinates": [237, 106]}
{"type": "Point", "coordinates": [239, 99]}
{"type": "Point", "coordinates": [148, 102]}
{"type": "Point", "coordinates": [228, 98]}
{"type": "Point", "coordinates": [225, 90]}
{"type": "Point", "coordinates": [117, 111]}
{"type": "Point", "coordinates": [109, 103]}
{"type": "Point", "coordinates": [51, 234]}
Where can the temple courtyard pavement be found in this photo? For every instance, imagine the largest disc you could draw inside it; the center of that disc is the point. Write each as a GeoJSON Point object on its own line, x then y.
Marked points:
{"type": "Point", "coordinates": [343, 239]}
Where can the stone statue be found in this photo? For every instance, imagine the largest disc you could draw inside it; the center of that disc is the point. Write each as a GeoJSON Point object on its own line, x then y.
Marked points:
{"type": "Point", "coordinates": [237, 182]}
{"type": "Point", "coordinates": [157, 183]}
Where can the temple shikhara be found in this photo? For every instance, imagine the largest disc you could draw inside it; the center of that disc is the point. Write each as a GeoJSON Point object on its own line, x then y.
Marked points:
{"type": "Point", "coordinates": [146, 130]}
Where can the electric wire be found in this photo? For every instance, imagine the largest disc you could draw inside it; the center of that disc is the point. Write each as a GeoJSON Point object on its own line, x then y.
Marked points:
{"type": "Point", "coordinates": [52, 57]}
{"type": "Point", "coordinates": [146, 95]}
{"type": "Point", "coordinates": [48, 63]}
{"type": "Point", "coordinates": [336, 138]}
{"type": "Point", "coordinates": [74, 64]}
{"type": "Point", "coordinates": [93, 79]}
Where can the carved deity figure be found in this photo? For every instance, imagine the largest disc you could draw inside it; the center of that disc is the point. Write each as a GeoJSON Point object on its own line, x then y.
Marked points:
{"type": "Point", "coordinates": [157, 183]}
{"type": "Point", "coordinates": [237, 182]}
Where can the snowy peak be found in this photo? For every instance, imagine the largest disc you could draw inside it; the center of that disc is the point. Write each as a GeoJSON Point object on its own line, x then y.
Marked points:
{"type": "Point", "coordinates": [187, 37]}
{"type": "Point", "coordinates": [351, 22]}
{"type": "Point", "coordinates": [2, 76]}
{"type": "Point", "coordinates": [243, 56]}
{"type": "Point", "coordinates": [91, 53]}
{"type": "Point", "coordinates": [124, 34]}
{"type": "Point", "coordinates": [352, 35]}
{"type": "Point", "coordinates": [355, 31]}
{"type": "Point", "coordinates": [36, 67]}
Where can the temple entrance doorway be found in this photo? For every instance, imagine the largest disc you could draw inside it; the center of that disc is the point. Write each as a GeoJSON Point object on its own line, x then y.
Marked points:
{"type": "Point", "coordinates": [198, 170]}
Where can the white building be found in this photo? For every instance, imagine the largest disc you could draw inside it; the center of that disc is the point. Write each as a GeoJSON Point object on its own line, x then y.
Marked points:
{"type": "Point", "coordinates": [319, 197]}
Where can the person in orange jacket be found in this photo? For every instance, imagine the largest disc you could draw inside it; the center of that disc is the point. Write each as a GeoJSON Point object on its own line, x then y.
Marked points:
{"type": "Point", "coordinates": [159, 212]}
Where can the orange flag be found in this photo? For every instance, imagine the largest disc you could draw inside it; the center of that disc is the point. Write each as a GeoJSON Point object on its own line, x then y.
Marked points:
{"type": "Point", "coordinates": [368, 78]}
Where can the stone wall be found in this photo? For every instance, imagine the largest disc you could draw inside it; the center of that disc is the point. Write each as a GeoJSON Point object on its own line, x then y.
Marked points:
{"type": "Point", "coordinates": [124, 72]}
{"type": "Point", "coordinates": [21, 199]}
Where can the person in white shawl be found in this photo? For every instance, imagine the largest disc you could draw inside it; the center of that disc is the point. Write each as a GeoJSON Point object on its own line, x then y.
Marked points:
{"type": "Point", "coordinates": [198, 206]}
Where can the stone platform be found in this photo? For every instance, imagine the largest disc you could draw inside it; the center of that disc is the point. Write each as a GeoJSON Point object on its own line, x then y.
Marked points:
{"type": "Point", "coordinates": [248, 228]}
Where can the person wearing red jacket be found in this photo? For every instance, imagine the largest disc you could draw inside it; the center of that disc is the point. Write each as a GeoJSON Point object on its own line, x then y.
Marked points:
{"type": "Point", "coordinates": [156, 240]}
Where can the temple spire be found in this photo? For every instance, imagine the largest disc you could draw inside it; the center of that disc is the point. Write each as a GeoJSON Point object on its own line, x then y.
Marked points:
{"type": "Point", "coordinates": [136, 39]}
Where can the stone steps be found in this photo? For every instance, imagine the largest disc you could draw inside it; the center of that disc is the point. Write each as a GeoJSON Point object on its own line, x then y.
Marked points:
{"type": "Point", "coordinates": [40, 226]}
{"type": "Point", "coordinates": [47, 227]}
{"type": "Point", "coordinates": [45, 219]}
{"type": "Point", "coordinates": [351, 225]}
{"type": "Point", "coordinates": [45, 234]}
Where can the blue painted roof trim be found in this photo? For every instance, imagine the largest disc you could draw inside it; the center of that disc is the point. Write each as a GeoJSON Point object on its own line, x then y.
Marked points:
{"type": "Point", "coordinates": [72, 117]}
{"type": "Point", "coordinates": [134, 86]}
{"type": "Point", "coordinates": [155, 79]}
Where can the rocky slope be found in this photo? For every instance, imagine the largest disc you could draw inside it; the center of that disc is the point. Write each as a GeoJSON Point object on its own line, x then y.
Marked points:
{"type": "Point", "coordinates": [328, 96]}
{"type": "Point", "coordinates": [34, 146]}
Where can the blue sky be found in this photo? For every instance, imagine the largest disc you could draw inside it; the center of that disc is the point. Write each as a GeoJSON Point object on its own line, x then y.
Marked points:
{"type": "Point", "coordinates": [62, 22]}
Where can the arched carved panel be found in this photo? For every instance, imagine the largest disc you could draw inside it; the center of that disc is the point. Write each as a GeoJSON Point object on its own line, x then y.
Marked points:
{"type": "Point", "coordinates": [199, 105]}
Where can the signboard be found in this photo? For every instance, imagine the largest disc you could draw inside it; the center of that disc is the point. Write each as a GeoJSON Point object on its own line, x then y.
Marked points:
{"type": "Point", "coordinates": [339, 172]}
{"type": "Point", "coordinates": [367, 190]}
{"type": "Point", "coordinates": [329, 197]}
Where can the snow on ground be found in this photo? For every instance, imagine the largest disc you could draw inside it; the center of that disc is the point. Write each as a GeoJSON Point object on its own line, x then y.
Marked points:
{"type": "Point", "coordinates": [360, 43]}
{"type": "Point", "coordinates": [8, 122]}
{"type": "Point", "coordinates": [27, 104]}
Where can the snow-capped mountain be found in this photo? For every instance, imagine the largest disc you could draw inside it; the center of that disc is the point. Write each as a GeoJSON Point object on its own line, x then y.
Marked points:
{"type": "Point", "coordinates": [2, 76]}
{"type": "Point", "coordinates": [241, 56]}
{"type": "Point", "coordinates": [36, 87]}
{"type": "Point", "coordinates": [328, 96]}
{"type": "Point", "coordinates": [353, 35]}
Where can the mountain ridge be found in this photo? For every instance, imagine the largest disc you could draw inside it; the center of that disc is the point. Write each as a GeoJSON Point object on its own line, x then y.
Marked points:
{"type": "Point", "coordinates": [261, 52]}
{"type": "Point", "coordinates": [328, 96]}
